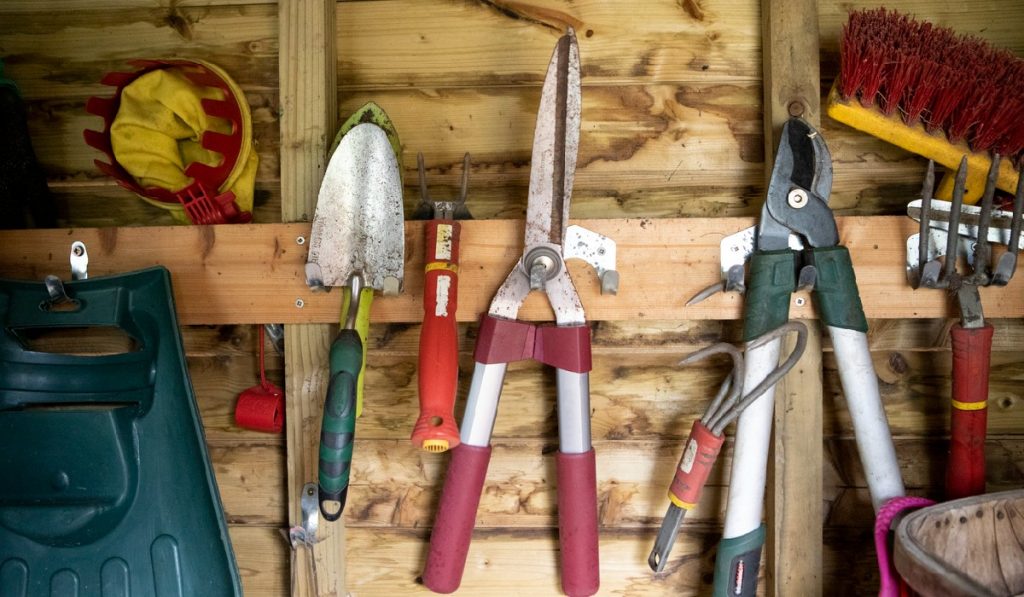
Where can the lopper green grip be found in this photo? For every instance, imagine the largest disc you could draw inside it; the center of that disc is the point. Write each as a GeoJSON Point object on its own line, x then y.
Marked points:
{"type": "Point", "coordinates": [835, 291]}
{"type": "Point", "coordinates": [772, 281]}
{"type": "Point", "coordinates": [737, 564]}
{"type": "Point", "coordinates": [339, 422]}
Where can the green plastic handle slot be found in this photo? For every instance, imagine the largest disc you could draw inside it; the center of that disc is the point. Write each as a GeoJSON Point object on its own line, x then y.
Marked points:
{"type": "Point", "coordinates": [772, 281]}
{"type": "Point", "coordinates": [835, 292]}
{"type": "Point", "coordinates": [363, 328]}
{"type": "Point", "coordinates": [737, 564]}
{"type": "Point", "coordinates": [339, 423]}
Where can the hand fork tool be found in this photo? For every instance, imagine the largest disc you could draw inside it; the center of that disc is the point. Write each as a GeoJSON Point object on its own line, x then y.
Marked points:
{"type": "Point", "coordinates": [795, 246]}
{"type": "Point", "coordinates": [566, 346]}
{"type": "Point", "coordinates": [707, 434]}
{"type": "Point", "coordinates": [357, 241]}
{"type": "Point", "coordinates": [945, 225]}
{"type": "Point", "coordinates": [435, 430]}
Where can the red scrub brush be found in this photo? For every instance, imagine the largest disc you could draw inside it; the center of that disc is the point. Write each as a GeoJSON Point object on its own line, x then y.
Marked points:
{"type": "Point", "coordinates": [932, 92]}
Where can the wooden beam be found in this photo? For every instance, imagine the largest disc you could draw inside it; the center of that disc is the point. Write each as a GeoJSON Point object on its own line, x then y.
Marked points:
{"type": "Point", "coordinates": [792, 87]}
{"type": "Point", "coordinates": [307, 67]}
{"type": "Point", "coordinates": [254, 273]}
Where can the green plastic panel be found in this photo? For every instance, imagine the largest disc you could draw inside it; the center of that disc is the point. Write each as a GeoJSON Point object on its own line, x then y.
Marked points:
{"type": "Point", "coordinates": [108, 488]}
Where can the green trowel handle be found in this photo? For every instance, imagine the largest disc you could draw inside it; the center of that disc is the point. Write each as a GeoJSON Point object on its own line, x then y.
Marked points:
{"type": "Point", "coordinates": [363, 328]}
{"type": "Point", "coordinates": [737, 564]}
{"type": "Point", "coordinates": [339, 423]}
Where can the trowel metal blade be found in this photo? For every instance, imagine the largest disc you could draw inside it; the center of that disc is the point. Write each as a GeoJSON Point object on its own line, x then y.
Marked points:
{"type": "Point", "coordinates": [358, 224]}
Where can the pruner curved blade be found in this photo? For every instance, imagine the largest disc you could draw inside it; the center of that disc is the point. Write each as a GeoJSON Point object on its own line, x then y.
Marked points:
{"type": "Point", "coordinates": [798, 191]}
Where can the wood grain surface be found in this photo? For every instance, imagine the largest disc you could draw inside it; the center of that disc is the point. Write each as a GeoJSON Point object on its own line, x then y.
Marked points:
{"type": "Point", "coordinates": [672, 128]}
{"type": "Point", "coordinates": [254, 273]}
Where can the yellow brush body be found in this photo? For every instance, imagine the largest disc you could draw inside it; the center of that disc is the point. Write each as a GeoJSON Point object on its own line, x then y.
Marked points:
{"type": "Point", "coordinates": [934, 146]}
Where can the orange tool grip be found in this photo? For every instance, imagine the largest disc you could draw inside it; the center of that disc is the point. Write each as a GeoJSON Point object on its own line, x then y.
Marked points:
{"type": "Point", "coordinates": [972, 352]}
{"type": "Point", "coordinates": [699, 456]}
{"type": "Point", "coordinates": [435, 430]}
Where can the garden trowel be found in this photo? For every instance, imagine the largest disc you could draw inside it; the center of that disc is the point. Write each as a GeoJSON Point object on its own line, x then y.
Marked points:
{"type": "Point", "coordinates": [358, 242]}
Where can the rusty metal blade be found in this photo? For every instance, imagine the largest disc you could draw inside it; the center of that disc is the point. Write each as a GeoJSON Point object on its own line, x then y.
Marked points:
{"type": "Point", "coordinates": [358, 224]}
{"type": "Point", "coordinates": [555, 145]}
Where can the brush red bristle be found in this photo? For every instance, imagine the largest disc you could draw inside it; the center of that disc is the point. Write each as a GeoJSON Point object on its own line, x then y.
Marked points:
{"type": "Point", "coordinates": [952, 83]}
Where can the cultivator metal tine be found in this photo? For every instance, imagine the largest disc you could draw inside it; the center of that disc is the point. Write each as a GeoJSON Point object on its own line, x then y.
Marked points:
{"type": "Point", "coordinates": [980, 275]}
{"type": "Point", "coordinates": [952, 239]}
{"type": "Point", "coordinates": [1008, 261]}
{"type": "Point", "coordinates": [922, 248]}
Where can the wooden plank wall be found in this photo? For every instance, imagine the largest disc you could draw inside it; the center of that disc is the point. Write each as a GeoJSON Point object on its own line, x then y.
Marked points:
{"type": "Point", "coordinates": [671, 127]}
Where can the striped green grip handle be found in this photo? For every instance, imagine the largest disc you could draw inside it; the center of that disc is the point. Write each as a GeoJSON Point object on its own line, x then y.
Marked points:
{"type": "Point", "coordinates": [339, 423]}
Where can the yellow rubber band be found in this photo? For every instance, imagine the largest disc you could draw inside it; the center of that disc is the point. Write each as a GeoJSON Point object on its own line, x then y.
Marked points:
{"type": "Point", "coordinates": [680, 503]}
{"type": "Point", "coordinates": [444, 265]}
{"type": "Point", "coordinates": [982, 405]}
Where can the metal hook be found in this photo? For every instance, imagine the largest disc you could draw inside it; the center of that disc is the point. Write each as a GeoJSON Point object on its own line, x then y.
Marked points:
{"type": "Point", "coordinates": [728, 403]}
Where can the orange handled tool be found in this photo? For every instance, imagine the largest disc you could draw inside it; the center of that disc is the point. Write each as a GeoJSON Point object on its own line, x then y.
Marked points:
{"type": "Point", "coordinates": [435, 430]}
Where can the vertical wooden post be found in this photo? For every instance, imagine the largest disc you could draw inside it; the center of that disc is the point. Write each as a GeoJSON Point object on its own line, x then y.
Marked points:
{"type": "Point", "coordinates": [792, 87]}
{"type": "Point", "coordinates": [307, 68]}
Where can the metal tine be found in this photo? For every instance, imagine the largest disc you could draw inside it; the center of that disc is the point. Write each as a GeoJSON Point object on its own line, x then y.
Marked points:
{"type": "Point", "coordinates": [465, 179]}
{"type": "Point", "coordinates": [983, 248]}
{"type": "Point", "coordinates": [1008, 260]}
{"type": "Point", "coordinates": [926, 201]}
{"type": "Point", "coordinates": [424, 194]}
{"type": "Point", "coordinates": [721, 422]}
{"type": "Point", "coordinates": [949, 267]}
{"type": "Point", "coordinates": [730, 390]}
{"type": "Point", "coordinates": [731, 411]}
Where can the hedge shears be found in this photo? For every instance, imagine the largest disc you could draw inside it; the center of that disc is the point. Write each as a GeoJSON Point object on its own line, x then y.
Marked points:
{"type": "Point", "coordinates": [502, 339]}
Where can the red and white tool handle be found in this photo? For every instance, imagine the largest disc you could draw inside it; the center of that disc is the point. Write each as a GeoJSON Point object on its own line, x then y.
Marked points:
{"type": "Point", "coordinates": [464, 482]}
{"type": "Point", "coordinates": [870, 425]}
{"type": "Point", "coordinates": [972, 353]}
{"type": "Point", "coordinates": [435, 429]}
{"type": "Point", "coordinates": [695, 465]}
{"type": "Point", "coordinates": [577, 487]}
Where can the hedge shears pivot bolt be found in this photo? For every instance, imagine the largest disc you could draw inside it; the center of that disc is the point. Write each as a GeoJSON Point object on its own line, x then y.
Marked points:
{"type": "Point", "coordinates": [794, 246]}
{"type": "Point", "coordinates": [502, 339]}
{"type": "Point", "coordinates": [932, 256]}
{"type": "Point", "coordinates": [707, 435]}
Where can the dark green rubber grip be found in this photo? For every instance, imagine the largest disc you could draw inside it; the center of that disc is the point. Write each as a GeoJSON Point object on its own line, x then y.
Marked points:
{"type": "Point", "coordinates": [737, 564]}
{"type": "Point", "coordinates": [772, 281]}
{"type": "Point", "coordinates": [835, 291]}
{"type": "Point", "coordinates": [339, 423]}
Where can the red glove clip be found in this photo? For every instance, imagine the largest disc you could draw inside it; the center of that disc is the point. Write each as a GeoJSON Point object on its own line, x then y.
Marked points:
{"type": "Point", "coordinates": [261, 408]}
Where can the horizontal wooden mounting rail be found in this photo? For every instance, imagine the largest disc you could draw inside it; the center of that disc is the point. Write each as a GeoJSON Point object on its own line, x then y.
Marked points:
{"type": "Point", "coordinates": [254, 273]}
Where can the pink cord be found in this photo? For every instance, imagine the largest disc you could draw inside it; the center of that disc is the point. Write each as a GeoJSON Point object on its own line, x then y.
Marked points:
{"type": "Point", "coordinates": [893, 508]}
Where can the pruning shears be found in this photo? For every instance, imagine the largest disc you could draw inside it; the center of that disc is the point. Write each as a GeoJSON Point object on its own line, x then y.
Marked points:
{"type": "Point", "coordinates": [549, 241]}
{"type": "Point", "coordinates": [795, 246]}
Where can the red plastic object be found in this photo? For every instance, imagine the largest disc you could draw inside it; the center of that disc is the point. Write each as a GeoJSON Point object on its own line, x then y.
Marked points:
{"type": "Point", "coordinates": [699, 456]}
{"type": "Point", "coordinates": [456, 517]}
{"type": "Point", "coordinates": [204, 208]}
{"type": "Point", "coordinates": [227, 145]}
{"type": "Point", "coordinates": [435, 430]}
{"type": "Point", "coordinates": [972, 352]}
{"type": "Point", "coordinates": [577, 523]}
{"type": "Point", "coordinates": [505, 341]}
{"type": "Point", "coordinates": [261, 408]}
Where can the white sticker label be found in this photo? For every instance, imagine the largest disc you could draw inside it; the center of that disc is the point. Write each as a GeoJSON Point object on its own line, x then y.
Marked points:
{"type": "Point", "coordinates": [443, 245]}
{"type": "Point", "coordinates": [689, 456]}
{"type": "Point", "coordinates": [441, 298]}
